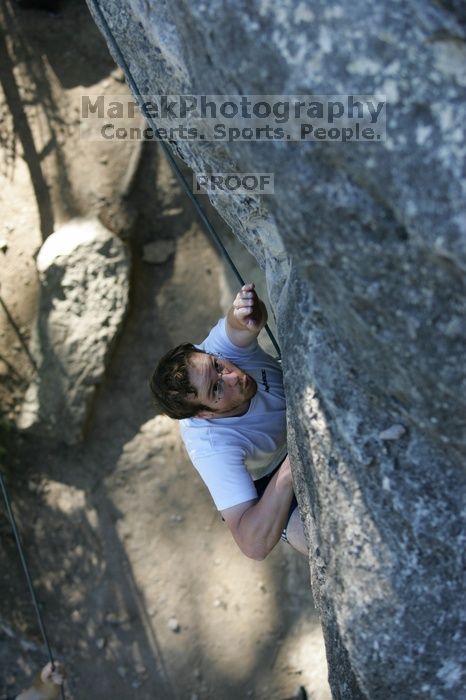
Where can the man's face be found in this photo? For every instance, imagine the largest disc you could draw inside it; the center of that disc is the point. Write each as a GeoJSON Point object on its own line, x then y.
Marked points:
{"type": "Point", "coordinates": [220, 385]}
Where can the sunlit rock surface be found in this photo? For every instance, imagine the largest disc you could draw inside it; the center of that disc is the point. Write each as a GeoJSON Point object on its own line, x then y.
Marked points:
{"type": "Point", "coordinates": [84, 274]}
{"type": "Point", "coordinates": [364, 249]}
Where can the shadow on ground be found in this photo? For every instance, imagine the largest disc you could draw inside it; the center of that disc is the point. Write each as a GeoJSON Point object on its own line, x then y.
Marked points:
{"type": "Point", "coordinates": [144, 593]}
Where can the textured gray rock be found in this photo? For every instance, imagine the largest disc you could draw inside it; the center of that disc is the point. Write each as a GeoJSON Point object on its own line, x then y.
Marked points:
{"type": "Point", "coordinates": [364, 249]}
{"type": "Point", "coordinates": [84, 275]}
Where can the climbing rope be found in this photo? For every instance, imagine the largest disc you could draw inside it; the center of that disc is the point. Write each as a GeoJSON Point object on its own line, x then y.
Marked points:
{"type": "Point", "coordinates": [215, 237]}
{"type": "Point", "coordinates": [22, 556]}
{"type": "Point", "coordinates": [181, 178]}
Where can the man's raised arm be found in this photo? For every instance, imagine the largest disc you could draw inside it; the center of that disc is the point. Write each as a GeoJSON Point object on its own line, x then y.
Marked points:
{"type": "Point", "coordinates": [246, 317]}
{"type": "Point", "coordinates": [257, 526]}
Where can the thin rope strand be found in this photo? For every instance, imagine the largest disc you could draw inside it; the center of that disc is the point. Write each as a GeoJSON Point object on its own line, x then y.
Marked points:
{"type": "Point", "coordinates": [22, 556]}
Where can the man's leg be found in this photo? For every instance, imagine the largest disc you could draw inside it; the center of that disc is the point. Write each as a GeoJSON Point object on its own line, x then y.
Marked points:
{"type": "Point", "coordinates": [295, 533]}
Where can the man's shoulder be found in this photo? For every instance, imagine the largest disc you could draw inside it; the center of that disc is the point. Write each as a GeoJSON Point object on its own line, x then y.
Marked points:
{"type": "Point", "coordinates": [219, 435]}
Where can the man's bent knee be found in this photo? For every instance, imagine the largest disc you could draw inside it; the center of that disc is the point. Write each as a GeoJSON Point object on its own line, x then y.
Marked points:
{"type": "Point", "coordinates": [295, 533]}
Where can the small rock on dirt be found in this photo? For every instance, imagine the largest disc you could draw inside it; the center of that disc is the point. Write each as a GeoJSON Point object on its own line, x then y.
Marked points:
{"type": "Point", "coordinates": [173, 625]}
{"type": "Point", "coordinates": [393, 433]}
{"type": "Point", "coordinates": [118, 75]}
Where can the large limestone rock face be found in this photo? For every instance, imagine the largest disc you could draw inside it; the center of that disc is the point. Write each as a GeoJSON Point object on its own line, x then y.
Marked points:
{"type": "Point", "coordinates": [84, 275]}
{"type": "Point", "coordinates": [364, 248]}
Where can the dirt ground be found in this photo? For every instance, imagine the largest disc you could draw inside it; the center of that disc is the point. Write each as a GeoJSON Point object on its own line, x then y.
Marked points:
{"type": "Point", "coordinates": [143, 592]}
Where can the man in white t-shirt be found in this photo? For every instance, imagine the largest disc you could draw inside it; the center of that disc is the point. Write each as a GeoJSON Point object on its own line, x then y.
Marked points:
{"type": "Point", "coordinates": [228, 395]}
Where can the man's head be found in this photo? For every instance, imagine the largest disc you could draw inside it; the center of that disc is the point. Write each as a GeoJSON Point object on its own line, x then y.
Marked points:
{"type": "Point", "coordinates": [188, 382]}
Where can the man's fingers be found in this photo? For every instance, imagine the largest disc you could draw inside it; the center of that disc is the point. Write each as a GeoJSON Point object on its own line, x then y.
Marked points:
{"type": "Point", "coordinates": [246, 296]}
{"type": "Point", "coordinates": [55, 674]}
{"type": "Point", "coordinates": [243, 301]}
{"type": "Point", "coordinates": [247, 306]}
{"type": "Point", "coordinates": [247, 287]}
{"type": "Point", "coordinates": [247, 293]}
{"type": "Point", "coordinates": [244, 316]}
{"type": "Point", "coordinates": [46, 673]}
{"type": "Point", "coordinates": [243, 312]}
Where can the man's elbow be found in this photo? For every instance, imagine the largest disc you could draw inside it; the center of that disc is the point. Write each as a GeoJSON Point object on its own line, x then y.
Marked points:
{"type": "Point", "coordinates": [253, 543]}
{"type": "Point", "coordinates": [256, 550]}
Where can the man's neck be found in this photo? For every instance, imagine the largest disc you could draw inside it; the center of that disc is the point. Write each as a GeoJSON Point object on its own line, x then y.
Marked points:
{"type": "Point", "coordinates": [235, 413]}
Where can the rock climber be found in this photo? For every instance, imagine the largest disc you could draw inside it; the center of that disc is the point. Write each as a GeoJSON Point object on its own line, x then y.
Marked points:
{"type": "Point", "coordinates": [228, 395]}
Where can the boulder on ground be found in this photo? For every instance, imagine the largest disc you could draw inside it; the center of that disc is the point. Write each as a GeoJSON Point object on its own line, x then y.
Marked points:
{"type": "Point", "coordinates": [84, 275]}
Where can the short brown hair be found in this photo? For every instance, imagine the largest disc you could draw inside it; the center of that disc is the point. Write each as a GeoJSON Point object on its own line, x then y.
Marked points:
{"type": "Point", "coordinates": [171, 386]}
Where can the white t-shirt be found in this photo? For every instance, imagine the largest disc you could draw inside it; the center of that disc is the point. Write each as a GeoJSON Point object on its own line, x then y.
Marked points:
{"type": "Point", "coordinates": [231, 453]}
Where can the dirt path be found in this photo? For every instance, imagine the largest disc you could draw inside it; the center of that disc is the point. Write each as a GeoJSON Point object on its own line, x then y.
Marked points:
{"type": "Point", "coordinates": [145, 595]}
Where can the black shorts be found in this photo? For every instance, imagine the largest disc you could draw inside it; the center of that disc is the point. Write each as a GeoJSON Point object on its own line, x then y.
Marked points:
{"type": "Point", "coordinates": [261, 484]}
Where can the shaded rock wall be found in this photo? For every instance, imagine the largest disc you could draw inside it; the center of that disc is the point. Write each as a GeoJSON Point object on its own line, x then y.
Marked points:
{"type": "Point", "coordinates": [364, 249]}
